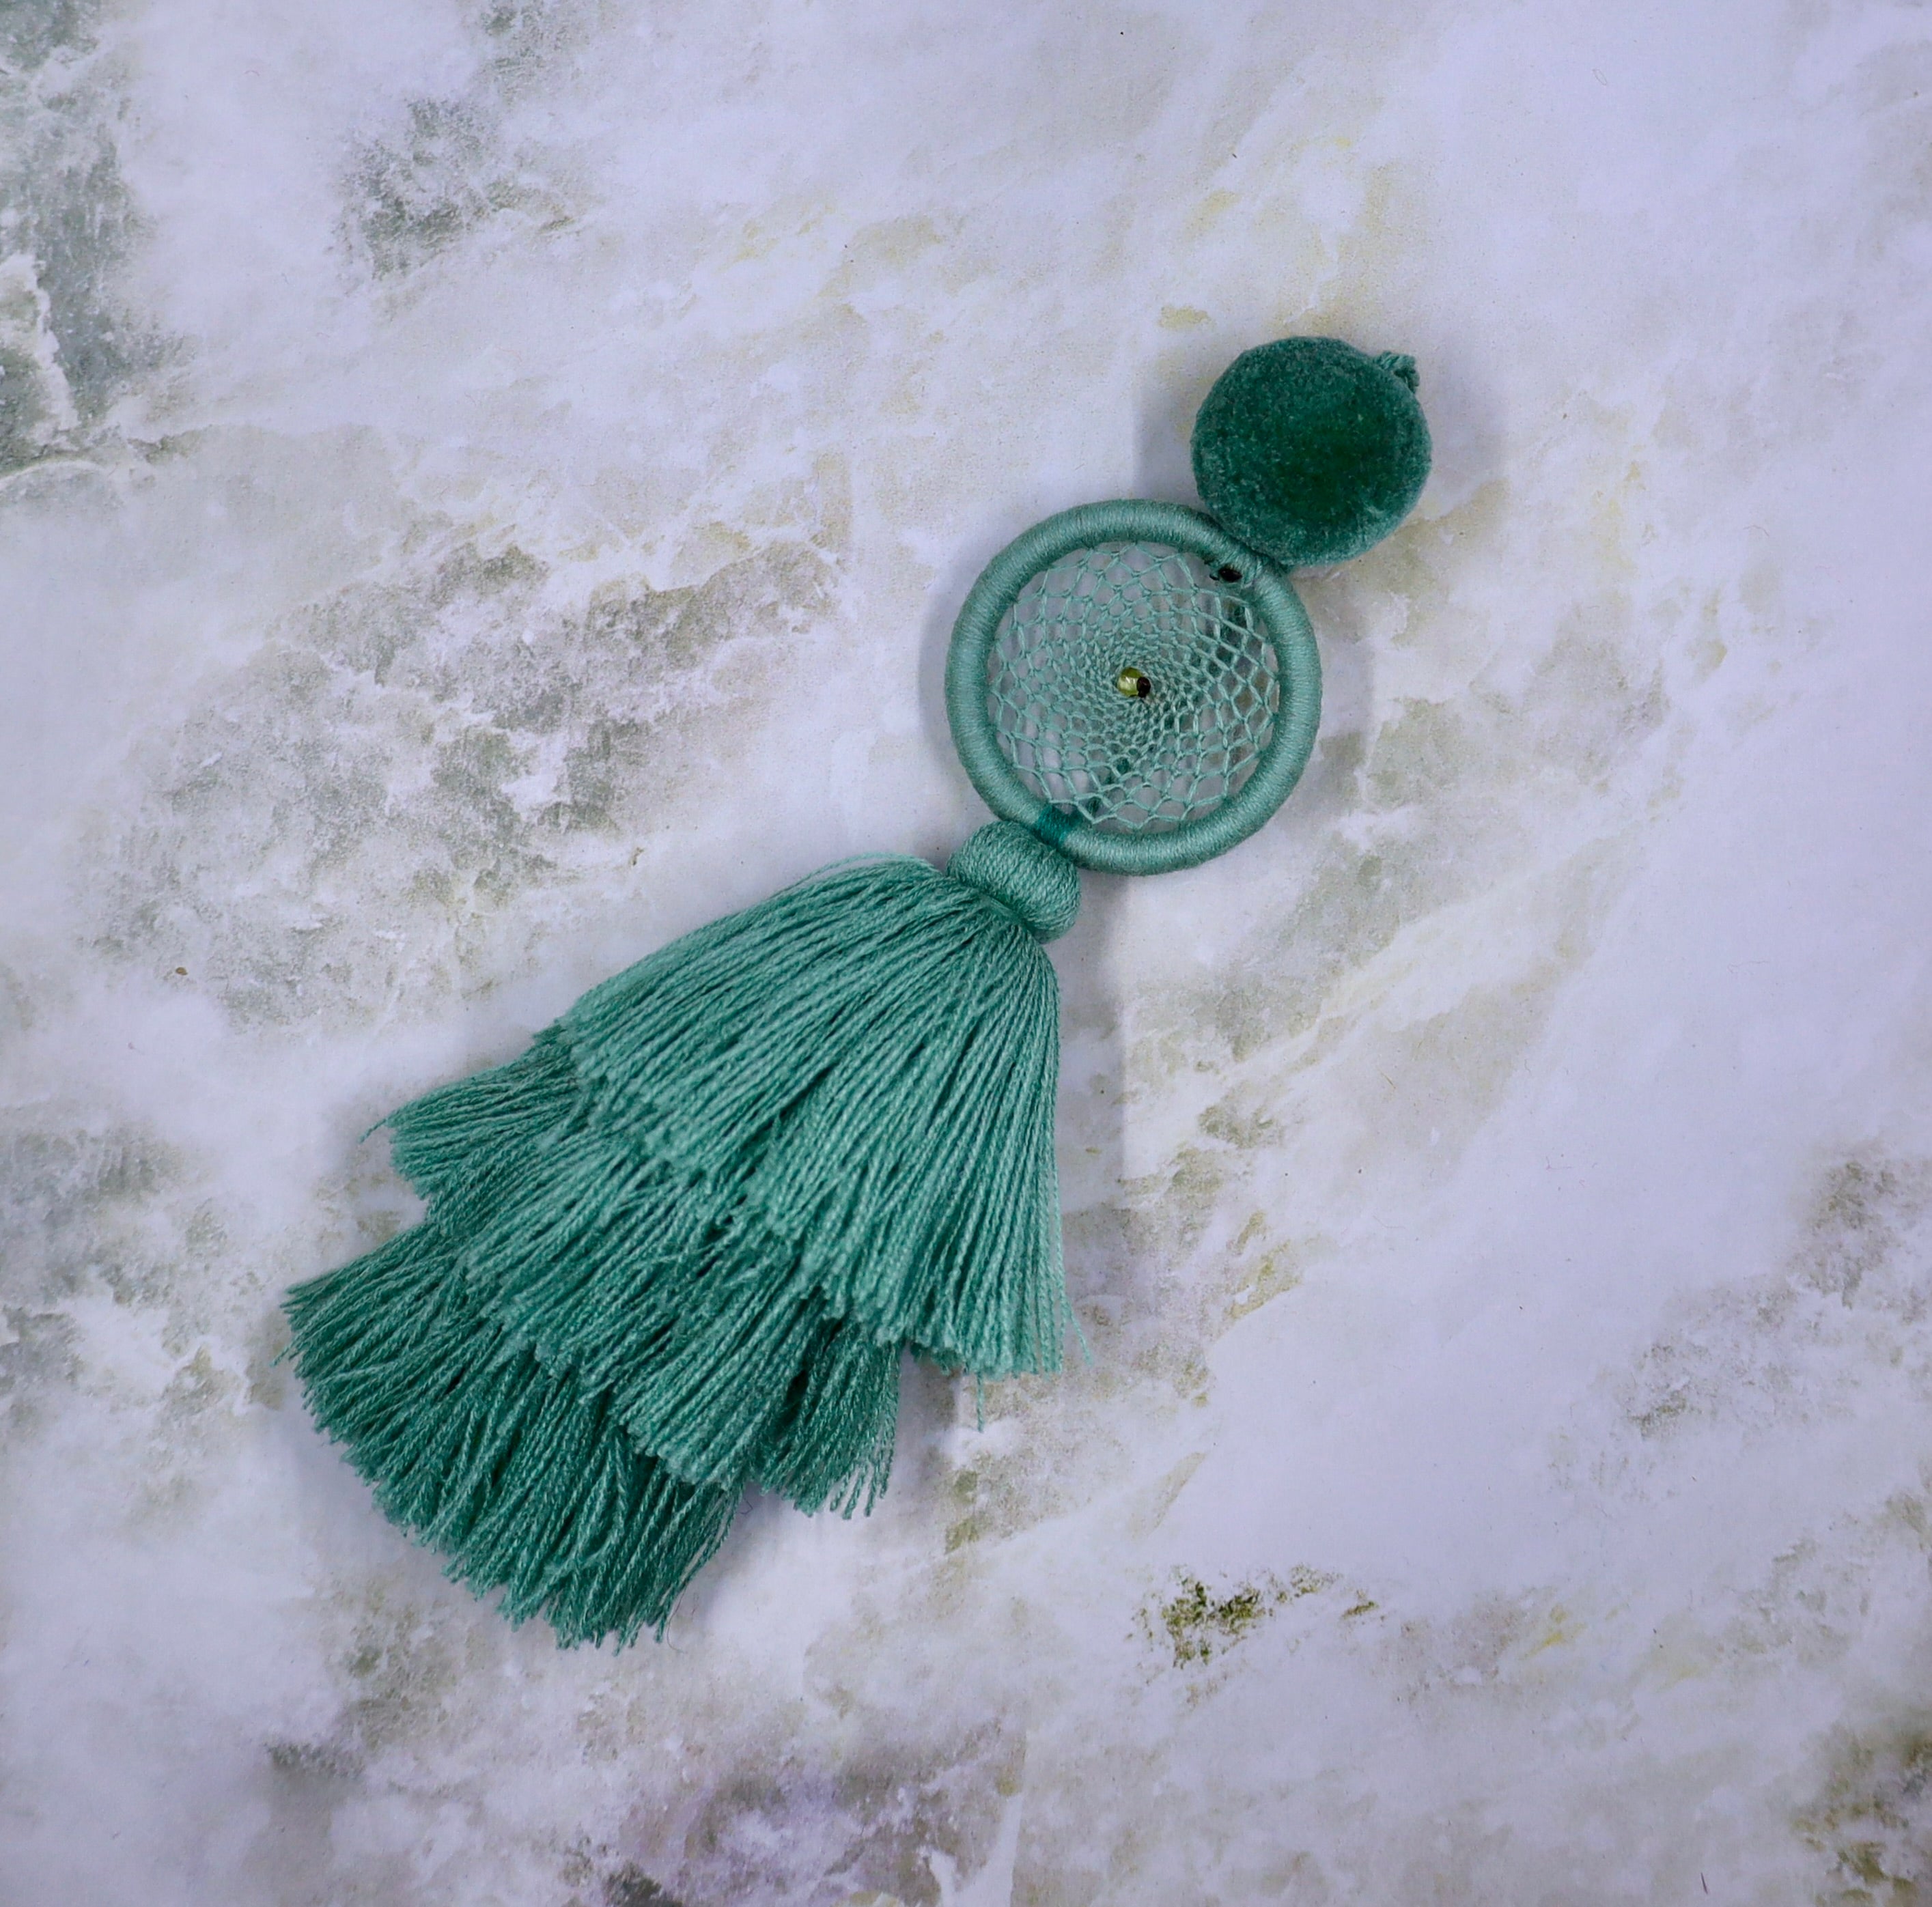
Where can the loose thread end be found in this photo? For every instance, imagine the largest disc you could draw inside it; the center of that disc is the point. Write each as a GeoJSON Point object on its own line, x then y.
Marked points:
{"type": "Point", "coordinates": [1080, 1336]}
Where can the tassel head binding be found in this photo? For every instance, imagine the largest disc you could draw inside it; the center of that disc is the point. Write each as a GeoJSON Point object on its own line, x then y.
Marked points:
{"type": "Point", "coordinates": [1039, 886]}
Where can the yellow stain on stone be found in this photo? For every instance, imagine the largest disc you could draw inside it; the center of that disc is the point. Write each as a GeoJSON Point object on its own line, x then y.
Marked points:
{"type": "Point", "coordinates": [1209, 213]}
{"type": "Point", "coordinates": [1164, 1494]}
{"type": "Point", "coordinates": [1276, 1274]}
{"type": "Point", "coordinates": [890, 244]}
{"type": "Point", "coordinates": [1559, 1626]}
{"type": "Point", "coordinates": [759, 238]}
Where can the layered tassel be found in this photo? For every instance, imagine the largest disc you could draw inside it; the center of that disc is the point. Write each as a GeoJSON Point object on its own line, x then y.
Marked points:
{"type": "Point", "coordinates": [679, 1245]}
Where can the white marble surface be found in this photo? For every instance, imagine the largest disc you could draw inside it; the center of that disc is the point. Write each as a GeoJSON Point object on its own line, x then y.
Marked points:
{"type": "Point", "coordinates": [487, 484]}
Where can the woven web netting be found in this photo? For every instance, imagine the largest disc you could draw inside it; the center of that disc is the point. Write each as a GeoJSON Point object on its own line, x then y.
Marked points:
{"type": "Point", "coordinates": [1133, 686]}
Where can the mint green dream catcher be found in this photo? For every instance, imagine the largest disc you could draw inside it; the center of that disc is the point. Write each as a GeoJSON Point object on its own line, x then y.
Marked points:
{"type": "Point", "coordinates": [677, 1248]}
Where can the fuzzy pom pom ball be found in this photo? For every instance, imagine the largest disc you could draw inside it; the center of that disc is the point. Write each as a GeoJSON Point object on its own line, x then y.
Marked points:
{"type": "Point", "coordinates": [1310, 451]}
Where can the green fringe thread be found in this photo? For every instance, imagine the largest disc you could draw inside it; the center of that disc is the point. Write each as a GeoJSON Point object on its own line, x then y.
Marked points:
{"type": "Point", "coordinates": [678, 1246]}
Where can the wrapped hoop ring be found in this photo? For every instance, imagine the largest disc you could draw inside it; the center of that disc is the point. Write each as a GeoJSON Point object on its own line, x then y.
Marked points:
{"type": "Point", "coordinates": [1133, 685]}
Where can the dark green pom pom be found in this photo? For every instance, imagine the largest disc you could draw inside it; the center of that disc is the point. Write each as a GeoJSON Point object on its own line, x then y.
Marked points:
{"type": "Point", "coordinates": [1310, 450]}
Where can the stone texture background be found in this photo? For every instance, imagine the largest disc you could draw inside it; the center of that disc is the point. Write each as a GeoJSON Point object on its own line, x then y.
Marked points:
{"type": "Point", "coordinates": [484, 487]}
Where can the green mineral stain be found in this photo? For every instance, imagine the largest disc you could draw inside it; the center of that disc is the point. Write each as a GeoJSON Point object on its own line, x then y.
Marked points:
{"type": "Point", "coordinates": [968, 1529]}
{"type": "Point", "coordinates": [1871, 1821]}
{"type": "Point", "coordinates": [1198, 1622]}
{"type": "Point", "coordinates": [630, 1886]}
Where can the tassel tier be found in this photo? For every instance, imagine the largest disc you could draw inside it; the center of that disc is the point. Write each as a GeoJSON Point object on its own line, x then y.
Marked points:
{"type": "Point", "coordinates": [469, 1442]}
{"type": "Point", "coordinates": [870, 1060]}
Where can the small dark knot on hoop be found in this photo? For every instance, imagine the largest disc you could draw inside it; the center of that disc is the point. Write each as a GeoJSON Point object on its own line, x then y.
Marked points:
{"type": "Point", "coordinates": [1038, 887]}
